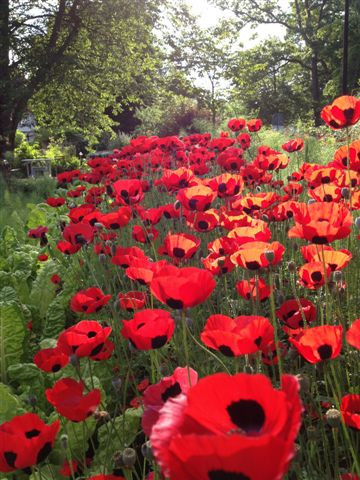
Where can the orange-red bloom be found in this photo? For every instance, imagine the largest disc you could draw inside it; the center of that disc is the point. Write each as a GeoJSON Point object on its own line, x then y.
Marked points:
{"type": "Point", "coordinates": [343, 112]}
{"type": "Point", "coordinates": [319, 343]}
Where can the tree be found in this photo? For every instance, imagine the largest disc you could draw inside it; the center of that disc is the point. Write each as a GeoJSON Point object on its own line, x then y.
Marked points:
{"type": "Point", "coordinates": [201, 52]}
{"type": "Point", "coordinates": [308, 37]}
{"type": "Point", "coordinates": [70, 53]}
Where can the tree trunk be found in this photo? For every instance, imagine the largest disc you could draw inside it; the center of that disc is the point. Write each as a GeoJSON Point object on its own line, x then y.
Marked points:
{"type": "Point", "coordinates": [5, 83]}
{"type": "Point", "coordinates": [345, 48]}
{"type": "Point", "coordinates": [315, 89]}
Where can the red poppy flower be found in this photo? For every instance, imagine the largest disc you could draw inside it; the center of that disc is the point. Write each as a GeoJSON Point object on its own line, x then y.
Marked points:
{"type": "Point", "coordinates": [254, 125]}
{"type": "Point", "coordinates": [236, 124]}
{"type": "Point", "coordinates": [149, 329]}
{"type": "Point", "coordinates": [343, 112]}
{"type": "Point", "coordinates": [156, 395]}
{"type": "Point", "coordinates": [321, 222]}
{"type": "Point", "coordinates": [85, 339]}
{"type": "Point", "coordinates": [38, 232]}
{"type": "Point", "coordinates": [202, 221]}
{"type": "Point", "coordinates": [350, 410]}
{"type": "Point", "coordinates": [179, 246]}
{"type": "Point", "coordinates": [144, 234]}
{"type": "Point", "coordinates": [67, 396]}
{"type": "Point", "coordinates": [51, 359]}
{"type": "Point", "coordinates": [67, 248]}
{"type": "Point", "coordinates": [78, 234]}
{"type": "Point", "coordinates": [217, 264]}
{"type": "Point", "coordinates": [335, 259]}
{"type": "Point", "coordinates": [293, 189]}
{"type": "Point", "coordinates": [295, 145]}
{"type": "Point", "coordinates": [313, 276]}
{"type": "Point", "coordinates": [67, 469]}
{"type": "Point", "coordinates": [55, 202]}
{"type": "Point", "coordinates": [252, 203]}
{"type": "Point", "coordinates": [349, 476]}
{"type": "Point", "coordinates": [89, 301]}
{"type": "Point", "coordinates": [353, 334]}
{"type": "Point", "coordinates": [239, 336]}
{"type": "Point", "coordinates": [169, 211]}
{"type": "Point", "coordinates": [77, 214]}
{"type": "Point", "coordinates": [245, 140]}
{"type": "Point", "coordinates": [259, 233]}
{"type": "Point", "coordinates": [143, 271]}
{"type": "Point", "coordinates": [252, 288]}
{"type": "Point", "coordinates": [128, 192]}
{"type": "Point", "coordinates": [131, 301]}
{"type": "Point", "coordinates": [116, 220]}
{"type": "Point", "coordinates": [272, 162]}
{"type": "Point", "coordinates": [197, 198]}
{"type": "Point", "coordinates": [124, 255]}
{"type": "Point", "coordinates": [227, 184]}
{"type": "Point", "coordinates": [43, 257]}
{"type": "Point", "coordinates": [180, 288]}
{"type": "Point", "coordinates": [319, 343]}
{"type": "Point", "coordinates": [292, 314]}
{"type": "Point", "coordinates": [106, 477]}
{"type": "Point", "coordinates": [226, 427]}
{"type": "Point", "coordinates": [55, 279]}
{"type": "Point", "coordinates": [221, 144]}
{"type": "Point", "coordinates": [256, 255]}
{"type": "Point", "coordinates": [25, 441]}
{"type": "Point", "coordinates": [173, 180]}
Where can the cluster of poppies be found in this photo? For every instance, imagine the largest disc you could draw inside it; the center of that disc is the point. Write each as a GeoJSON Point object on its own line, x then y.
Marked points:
{"type": "Point", "coordinates": [163, 230]}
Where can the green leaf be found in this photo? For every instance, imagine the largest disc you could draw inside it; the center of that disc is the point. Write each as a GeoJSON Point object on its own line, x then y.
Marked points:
{"type": "Point", "coordinates": [12, 334]}
{"type": "Point", "coordinates": [9, 404]}
{"type": "Point", "coordinates": [117, 435]}
{"type": "Point", "coordinates": [36, 218]}
{"type": "Point", "coordinates": [43, 290]}
{"type": "Point", "coordinates": [55, 318]}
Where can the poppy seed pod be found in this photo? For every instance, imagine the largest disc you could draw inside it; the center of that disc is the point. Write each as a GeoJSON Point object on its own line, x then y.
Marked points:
{"type": "Point", "coordinates": [102, 258]}
{"type": "Point", "coordinates": [357, 222]}
{"type": "Point", "coordinates": [345, 192]}
{"type": "Point", "coordinates": [269, 255]}
{"type": "Point", "coordinates": [146, 451]}
{"type": "Point", "coordinates": [333, 417]}
{"type": "Point", "coordinates": [116, 383]}
{"type": "Point", "coordinates": [129, 457]}
{"type": "Point", "coordinates": [64, 441]}
{"type": "Point", "coordinates": [304, 383]}
{"type": "Point", "coordinates": [292, 266]}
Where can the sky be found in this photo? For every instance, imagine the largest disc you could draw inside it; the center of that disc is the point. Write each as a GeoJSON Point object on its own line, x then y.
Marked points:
{"type": "Point", "coordinates": [209, 16]}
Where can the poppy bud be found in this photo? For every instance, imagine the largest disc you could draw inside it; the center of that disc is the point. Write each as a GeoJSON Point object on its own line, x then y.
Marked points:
{"type": "Point", "coordinates": [64, 441]}
{"type": "Point", "coordinates": [74, 360]}
{"type": "Point", "coordinates": [311, 201]}
{"type": "Point", "coordinates": [279, 298]}
{"type": "Point", "coordinates": [146, 451]}
{"type": "Point", "coordinates": [164, 370]}
{"type": "Point", "coordinates": [72, 205]}
{"type": "Point", "coordinates": [269, 255]}
{"type": "Point", "coordinates": [113, 250]}
{"type": "Point", "coordinates": [108, 243]}
{"type": "Point", "coordinates": [98, 225]}
{"type": "Point", "coordinates": [357, 222]}
{"type": "Point", "coordinates": [150, 237]}
{"type": "Point", "coordinates": [338, 275]}
{"type": "Point", "coordinates": [292, 266]}
{"type": "Point", "coordinates": [177, 205]}
{"type": "Point", "coordinates": [265, 218]}
{"type": "Point", "coordinates": [118, 460]}
{"type": "Point", "coordinates": [333, 417]}
{"type": "Point", "coordinates": [129, 457]}
{"type": "Point", "coordinates": [258, 189]}
{"type": "Point", "coordinates": [102, 258]}
{"type": "Point", "coordinates": [304, 383]}
{"type": "Point", "coordinates": [116, 383]}
{"type": "Point", "coordinates": [293, 353]}
{"type": "Point", "coordinates": [345, 192]}
{"type": "Point", "coordinates": [295, 247]}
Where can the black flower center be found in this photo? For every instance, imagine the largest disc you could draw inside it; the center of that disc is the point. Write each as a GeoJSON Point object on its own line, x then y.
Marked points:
{"type": "Point", "coordinates": [325, 351]}
{"type": "Point", "coordinates": [43, 452]}
{"type": "Point", "coordinates": [91, 334]}
{"type": "Point", "coordinates": [248, 415]}
{"type": "Point", "coordinates": [179, 252]}
{"type": "Point", "coordinates": [10, 458]}
{"type": "Point", "coordinates": [252, 265]}
{"type": "Point", "coordinates": [316, 276]}
{"type": "Point", "coordinates": [173, 303]}
{"type": "Point", "coordinates": [226, 350]}
{"type": "Point", "coordinates": [171, 392]}
{"type": "Point", "coordinates": [222, 475]}
{"type": "Point", "coordinates": [159, 341]}
{"type": "Point", "coordinates": [203, 225]}
{"type": "Point", "coordinates": [32, 433]}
